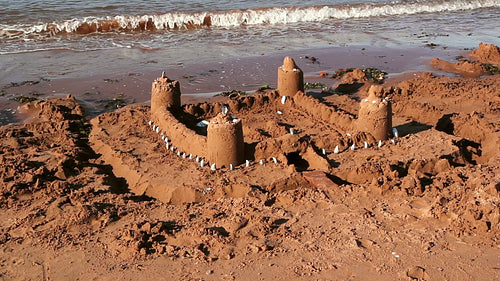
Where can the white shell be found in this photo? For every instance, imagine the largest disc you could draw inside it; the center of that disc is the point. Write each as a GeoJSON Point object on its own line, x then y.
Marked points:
{"type": "Point", "coordinates": [184, 155]}
{"type": "Point", "coordinates": [247, 163]}
{"type": "Point", "coordinates": [172, 148]}
{"type": "Point", "coordinates": [213, 167]}
{"type": "Point", "coordinates": [178, 153]}
{"type": "Point", "coordinates": [395, 132]}
{"type": "Point", "coordinates": [283, 99]}
{"type": "Point", "coordinates": [353, 146]}
{"type": "Point", "coordinates": [202, 163]}
{"type": "Point", "coordinates": [348, 134]}
{"type": "Point", "coordinates": [336, 150]}
{"type": "Point", "coordinates": [323, 151]}
{"type": "Point", "coordinates": [197, 159]}
{"type": "Point", "coordinates": [231, 167]}
{"type": "Point", "coordinates": [190, 156]}
{"type": "Point", "coordinates": [157, 130]}
{"type": "Point", "coordinates": [202, 123]}
{"type": "Point", "coordinates": [167, 145]}
{"type": "Point", "coordinates": [279, 112]}
{"type": "Point", "coordinates": [150, 122]}
{"type": "Point", "coordinates": [393, 141]}
{"type": "Point", "coordinates": [275, 160]}
{"type": "Point", "coordinates": [366, 145]}
{"type": "Point", "coordinates": [291, 131]}
{"type": "Point", "coordinates": [374, 101]}
{"type": "Point", "coordinates": [225, 110]}
{"type": "Point", "coordinates": [379, 143]}
{"type": "Point", "coordinates": [261, 162]}
{"type": "Point", "coordinates": [154, 127]}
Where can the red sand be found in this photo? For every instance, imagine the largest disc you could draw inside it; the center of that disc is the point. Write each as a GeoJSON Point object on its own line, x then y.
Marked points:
{"type": "Point", "coordinates": [422, 208]}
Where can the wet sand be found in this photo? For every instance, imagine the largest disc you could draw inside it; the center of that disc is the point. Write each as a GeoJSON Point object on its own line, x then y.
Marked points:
{"type": "Point", "coordinates": [96, 88]}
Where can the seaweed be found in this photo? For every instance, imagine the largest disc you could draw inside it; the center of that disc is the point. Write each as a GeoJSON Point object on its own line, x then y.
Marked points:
{"type": "Point", "coordinates": [374, 74]}
{"type": "Point", "coordinates": [316, 85]}
{"type": "Point", "coordinates": [231, 94]}
{"type": "Point", "coordinates": [492, 69]}
{"type": "Point", "coordinates": [264, 87]}
{"type": "Point", "coordinates": [24, 99]}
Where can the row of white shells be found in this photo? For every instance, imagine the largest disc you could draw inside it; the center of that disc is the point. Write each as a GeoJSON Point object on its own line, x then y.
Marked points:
{"type": "Point", "coordinates": [197, 159]}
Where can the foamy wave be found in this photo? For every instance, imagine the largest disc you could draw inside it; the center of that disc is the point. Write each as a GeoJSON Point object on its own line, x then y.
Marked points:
{"type": "Point", "coordinates": [267, 16]}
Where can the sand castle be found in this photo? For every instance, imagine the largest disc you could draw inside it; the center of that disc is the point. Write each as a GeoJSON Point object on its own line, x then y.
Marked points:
{"type": "Point", "coordinates": [223, 146]}
{"type": "Point", "coordinates": [271, 140]}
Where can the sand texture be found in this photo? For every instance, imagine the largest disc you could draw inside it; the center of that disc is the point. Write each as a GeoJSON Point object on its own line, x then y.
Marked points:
{"type": "Point", "coordinates": [312, 195]}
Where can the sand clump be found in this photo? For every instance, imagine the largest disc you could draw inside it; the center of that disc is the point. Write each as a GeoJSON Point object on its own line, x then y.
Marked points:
{"type": "Point", "coordinates": [486, 53]}
{"type": "Point", "coordinates": [107, 200]}
{"type": "Point", "coordinates": [484, 60]}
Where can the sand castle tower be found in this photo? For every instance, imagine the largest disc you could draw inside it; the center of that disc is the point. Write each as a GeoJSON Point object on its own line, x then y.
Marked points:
{"type": "Point", "coordinates": [165, 93]}
{"type": "Point", "coordinates": [290, 78]}
{"type": "Point", "coordinates": [375, 114]}
{"type": "Point", "coordinates": [225, 141]}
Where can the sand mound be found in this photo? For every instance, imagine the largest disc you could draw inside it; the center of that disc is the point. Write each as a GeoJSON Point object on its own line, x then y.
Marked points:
{"type": "Point", "coordinates": [485, 60]}
{"type": "Point", "coordinates": [486, 53]}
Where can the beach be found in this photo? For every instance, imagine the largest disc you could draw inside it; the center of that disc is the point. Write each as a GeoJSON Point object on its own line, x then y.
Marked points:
{"type": "Point", "coordinates": [293, 141]}
{"type": "Point", "coordinates": [104, 199]}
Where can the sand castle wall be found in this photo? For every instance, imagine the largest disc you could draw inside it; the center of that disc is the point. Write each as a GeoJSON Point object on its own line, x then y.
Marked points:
{"type": "Point", "coordinates": [183, 138]}
{"type": "Point", "coordinates": [322, 111]}
{"type": "Point", "coordinates": [235, 106]}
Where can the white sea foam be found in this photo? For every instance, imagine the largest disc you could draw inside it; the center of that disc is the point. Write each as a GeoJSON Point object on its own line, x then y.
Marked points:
{"type": "Point", "coordinates": [237, 18]}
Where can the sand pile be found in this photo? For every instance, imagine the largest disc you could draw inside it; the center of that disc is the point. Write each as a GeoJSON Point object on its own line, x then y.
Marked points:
{"type": "Point", "coordinates": [484, 60]}
{"type": "Point", "coordinates": [336, 203]}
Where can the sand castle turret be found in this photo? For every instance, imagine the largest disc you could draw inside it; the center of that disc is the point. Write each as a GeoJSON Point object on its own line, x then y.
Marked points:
{"type": "Point", "coordinates": [290, 78]}
{"type": "Point", "coordinates": [225, 141]}
{"type": "Point", "coordinates": [165, 93]}
{"type": "Point", "coordinates": [375, 114]}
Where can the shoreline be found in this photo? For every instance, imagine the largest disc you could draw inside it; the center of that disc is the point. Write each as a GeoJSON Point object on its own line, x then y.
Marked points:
{"type": "Point", "coordinates": [131, 84]}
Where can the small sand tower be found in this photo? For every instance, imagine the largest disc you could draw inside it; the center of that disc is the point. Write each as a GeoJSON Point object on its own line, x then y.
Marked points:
{"type": "Point", "coordinates": [165, 93]}
{"type": "Point", "coordinates": [290, 78]}
{"type": "Point", "coordinates": [375, 114]}
{"type": "Point", "coordinates": [225, 141]}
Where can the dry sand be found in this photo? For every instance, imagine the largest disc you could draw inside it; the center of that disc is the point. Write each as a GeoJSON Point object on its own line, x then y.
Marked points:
{"type": "Point", "coordinates": [78, 198]}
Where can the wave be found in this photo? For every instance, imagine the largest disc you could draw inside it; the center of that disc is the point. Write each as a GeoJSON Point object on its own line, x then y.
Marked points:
{"type": "Point", "coordinates": [236, 18]}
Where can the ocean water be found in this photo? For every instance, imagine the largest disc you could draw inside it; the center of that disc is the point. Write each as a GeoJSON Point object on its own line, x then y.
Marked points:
{"type": "Point", "coordinates": [54, 39]}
